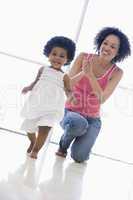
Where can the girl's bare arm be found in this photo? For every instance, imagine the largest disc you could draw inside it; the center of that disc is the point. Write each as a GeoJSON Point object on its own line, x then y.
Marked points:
{"type": "Point", "coordinates": [68, 89]}
{"type": "Point", "coordinates": [30, 87]}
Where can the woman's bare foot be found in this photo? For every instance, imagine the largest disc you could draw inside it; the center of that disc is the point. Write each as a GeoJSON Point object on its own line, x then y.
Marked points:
{"type": "Point", "coordinates": [33, 155]}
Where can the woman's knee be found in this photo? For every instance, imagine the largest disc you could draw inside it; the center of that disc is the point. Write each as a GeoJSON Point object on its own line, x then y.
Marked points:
{"type": "Point", "coordinates": [79, 156]}
{"type": "Point", "coordinates": [75, 122]}
{"type": "Point", "coordinates": [80, 149]}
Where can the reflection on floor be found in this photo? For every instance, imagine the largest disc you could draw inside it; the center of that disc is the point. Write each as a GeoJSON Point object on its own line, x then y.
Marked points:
{"type": "Point", "coordinates": [54, 178]}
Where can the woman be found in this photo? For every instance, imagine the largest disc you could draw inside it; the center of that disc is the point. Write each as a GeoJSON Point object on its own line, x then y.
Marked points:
{"type": "Point", "coordinates": [94, 77]}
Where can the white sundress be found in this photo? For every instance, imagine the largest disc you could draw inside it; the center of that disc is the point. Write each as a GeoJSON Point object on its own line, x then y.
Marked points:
{"type": "Point", "coordinates": [47, 98]}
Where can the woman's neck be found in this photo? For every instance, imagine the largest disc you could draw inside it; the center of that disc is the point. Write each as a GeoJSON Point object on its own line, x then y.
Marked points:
{"type": "Point", "coordinates": [105, 64]}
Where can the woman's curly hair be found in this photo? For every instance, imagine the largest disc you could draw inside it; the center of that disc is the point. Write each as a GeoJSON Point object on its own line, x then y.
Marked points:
{"type": "Point", "coordinates": [63, 42]}
{"type": "Point", "coordinates": [124, 49]}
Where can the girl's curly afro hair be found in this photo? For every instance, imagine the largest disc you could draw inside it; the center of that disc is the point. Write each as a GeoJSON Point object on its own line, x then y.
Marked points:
{"type": "Point", "coordinates": [124, 49]}
{"type": "Point", "coordinates": [63, 42]}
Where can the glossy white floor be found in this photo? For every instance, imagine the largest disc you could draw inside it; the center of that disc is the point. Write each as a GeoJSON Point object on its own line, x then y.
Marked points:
{"type": "Point", "coordinates": [54, 178]}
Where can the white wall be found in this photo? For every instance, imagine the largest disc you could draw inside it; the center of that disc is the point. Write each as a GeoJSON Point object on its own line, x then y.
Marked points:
{"type": "Point", "coordinates": [27, 25]}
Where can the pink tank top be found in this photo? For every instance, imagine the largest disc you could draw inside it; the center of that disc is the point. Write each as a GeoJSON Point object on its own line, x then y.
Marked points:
{"type": "Point", "coordinates": [88, 103]}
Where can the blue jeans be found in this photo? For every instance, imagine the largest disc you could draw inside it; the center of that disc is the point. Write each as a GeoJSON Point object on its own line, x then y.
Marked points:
{"type": "Point", "coordinates": [82, 131]}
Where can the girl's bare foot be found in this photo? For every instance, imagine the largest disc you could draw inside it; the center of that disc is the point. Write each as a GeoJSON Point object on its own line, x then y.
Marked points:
{"type": "Point", "coordinates": [61, 153]}
{"type": "Point", "coordinates": [30, 148]}
{"type": "Point", "coordinates": [33, 155]}
{"type": "Point", "coordinates": [32, 138]}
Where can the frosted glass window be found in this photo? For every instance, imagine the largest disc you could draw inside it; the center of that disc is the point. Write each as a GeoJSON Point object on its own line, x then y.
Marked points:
{"type": "Point", "coordinates": [27, 25]}
{"type": "Point", "coordinates": [25, 28]}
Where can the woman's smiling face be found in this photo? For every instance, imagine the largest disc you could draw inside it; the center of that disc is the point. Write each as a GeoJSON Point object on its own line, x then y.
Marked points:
{"type": "Point", "coordinates": [109, 47]}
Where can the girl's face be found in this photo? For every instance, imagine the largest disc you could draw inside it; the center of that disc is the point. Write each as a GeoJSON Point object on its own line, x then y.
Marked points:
{"type": "Point", "coordinates": [109, 47]}
{"type": "Point", "coordinates": [58, 57]}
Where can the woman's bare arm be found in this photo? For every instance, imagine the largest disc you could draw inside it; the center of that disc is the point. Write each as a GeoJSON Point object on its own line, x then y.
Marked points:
{"type": "Point", "coordinates": [77, 65]}
{"type": "Point", "coordinates": [112, 84]}
{"type": "Point", "coordinates": [103, 95]}
{"type": "Point", "coordinates": [76, 72]}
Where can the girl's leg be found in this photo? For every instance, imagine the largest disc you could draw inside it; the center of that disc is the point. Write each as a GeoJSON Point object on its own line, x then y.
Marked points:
{"type": "Point", "coordinates": [29, 125]}
{"type": "Point", "coordinates": [40, 140]}
{"type": "Point", "coordinates": [32, 138]}
{"type": "Point", "coordinates": [82, 146]}
{"type": "Point", "coordinates": [74, 125]}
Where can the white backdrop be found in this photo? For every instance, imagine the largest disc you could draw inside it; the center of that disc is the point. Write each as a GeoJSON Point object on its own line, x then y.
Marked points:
{"type": "Point", "coordinates": [27, 25]}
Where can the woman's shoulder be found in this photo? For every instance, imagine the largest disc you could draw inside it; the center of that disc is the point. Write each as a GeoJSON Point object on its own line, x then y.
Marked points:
{"type": "Point", "coordinates": [118, 69]}
{"type": "Point", "coordinates": [116, 72]}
